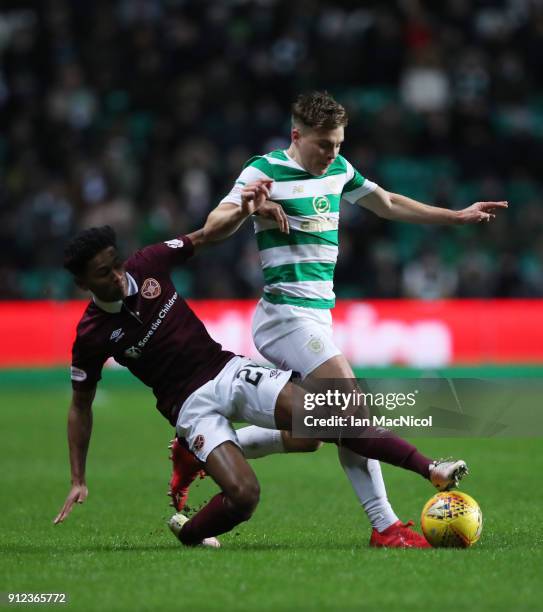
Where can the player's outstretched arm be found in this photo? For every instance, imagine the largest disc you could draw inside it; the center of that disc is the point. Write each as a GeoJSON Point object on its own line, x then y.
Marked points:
{"type": "Point", "coordinates": [398, 207]}
{"type": "Point", "coordinates": [228, 217]}
{"type": "Point", "coordinates": [79, 433]}
{"type": "Point", "coordinates": [223, 221]}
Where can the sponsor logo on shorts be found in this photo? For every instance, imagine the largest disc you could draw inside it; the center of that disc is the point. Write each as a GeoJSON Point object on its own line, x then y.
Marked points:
{"type": "Point", "coordinates": [117, 334]}
{"type": "Point", "coordinates": [199, 442]}
{"type": "Point", "coordinates": [133, 352]}
{"type": "Point", "coordinates": [316, 345]}
{"type": "Point", "coordinates": [150, 289]}
{"type": "Point", "coordinates": [78, 374]}
{"type": "Point", "coordinates": [176, 243]}
{"type": "Point", "coordinates": [275, 373]}
{"type": "Point", "coordinates": [321, 204]}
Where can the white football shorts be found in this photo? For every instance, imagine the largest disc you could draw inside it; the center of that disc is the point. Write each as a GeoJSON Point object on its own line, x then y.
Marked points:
{"type": "Point", "coordinates": [241, 392]}
{"type": "Point", "coordinates": [293, 337]}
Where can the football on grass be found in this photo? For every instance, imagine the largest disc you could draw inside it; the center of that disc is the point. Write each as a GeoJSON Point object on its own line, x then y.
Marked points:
{"type": "Point", "coordinates": [451, 519]}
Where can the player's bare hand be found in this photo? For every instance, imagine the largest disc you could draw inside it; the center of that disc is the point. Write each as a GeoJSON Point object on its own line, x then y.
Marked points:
{"type": "Point", "coordinates": [272, 210]}
{"type": "Point", "coordinates": [255, 200]}
{"type": "Point", "coordinates": [254, 194]}
{"type": "Point", "coordinates": [77, 495]}
{"type": "Point", "coordinates": [480, 211]}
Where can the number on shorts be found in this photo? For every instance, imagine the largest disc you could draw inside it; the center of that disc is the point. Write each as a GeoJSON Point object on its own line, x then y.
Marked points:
{"type": "Point", "coordinates": [255, 379]}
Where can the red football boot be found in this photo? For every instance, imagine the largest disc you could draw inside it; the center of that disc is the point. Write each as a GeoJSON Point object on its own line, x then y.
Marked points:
{"type": "Point", "coordinates": [186, 468]}
{"type": "Point", "coordinates": [398, 535]}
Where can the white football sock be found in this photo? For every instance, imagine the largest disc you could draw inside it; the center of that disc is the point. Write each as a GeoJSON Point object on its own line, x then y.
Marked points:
{"type": "Point", "coordinates": [367, 481]}
{"type": "Point", "coordinates": [258, 442]}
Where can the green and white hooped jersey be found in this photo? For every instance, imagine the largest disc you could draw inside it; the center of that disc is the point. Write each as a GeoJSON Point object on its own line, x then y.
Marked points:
{"type": "Point", "coordinates": [299, 267]}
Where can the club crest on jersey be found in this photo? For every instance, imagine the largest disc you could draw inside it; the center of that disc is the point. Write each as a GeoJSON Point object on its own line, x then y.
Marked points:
{"type": "Point", "coordinates": [150, 289]}
{"type": "Point", "coordinates": [133, 352]}
{"type": "Point", "coordinates": [321, 204]}
{"type": "Point", "coordinates": [199, 442]}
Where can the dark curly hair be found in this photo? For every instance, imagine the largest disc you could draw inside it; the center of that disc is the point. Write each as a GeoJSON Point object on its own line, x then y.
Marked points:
{"type": "Point", "coordinates": [318, 109]}
{"type": "Point", "coordinates": [85, 245]}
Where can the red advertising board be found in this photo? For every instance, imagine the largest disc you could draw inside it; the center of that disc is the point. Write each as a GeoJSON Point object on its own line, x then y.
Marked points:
{"type": "Point", "coordinates": [378, 332]}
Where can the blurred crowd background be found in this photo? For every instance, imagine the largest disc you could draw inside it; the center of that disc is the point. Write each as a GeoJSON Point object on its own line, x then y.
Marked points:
{"type": "Point", "coordinates": [140, 114]}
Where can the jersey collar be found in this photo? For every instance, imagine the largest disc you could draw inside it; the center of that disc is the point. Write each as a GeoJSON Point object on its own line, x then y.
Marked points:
{"type": "Point", "coordinates": [294, 162]}
{"type": "Point", "coordinates": [115, 307]}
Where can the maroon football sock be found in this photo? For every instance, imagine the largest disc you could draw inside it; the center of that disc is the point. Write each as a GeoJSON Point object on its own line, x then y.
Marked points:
{"type": "Point", "coordinates": [388, 447]}
{"type": "Point", "coordinates": [212, 520]}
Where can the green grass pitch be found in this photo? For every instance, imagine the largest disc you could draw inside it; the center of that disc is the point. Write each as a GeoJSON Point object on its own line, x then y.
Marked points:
{"type": "Point", "coordinates": [305, 548]}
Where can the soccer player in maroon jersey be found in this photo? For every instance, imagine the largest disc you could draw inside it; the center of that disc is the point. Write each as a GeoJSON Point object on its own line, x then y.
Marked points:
{"type": "Point", "coordinates": [137, 317]}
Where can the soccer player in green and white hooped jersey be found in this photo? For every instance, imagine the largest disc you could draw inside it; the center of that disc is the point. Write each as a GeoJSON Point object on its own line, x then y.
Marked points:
{"type": "Point", "coordinates": [299, 266]}
{"type": "Point", "coordinates": [296, 195]}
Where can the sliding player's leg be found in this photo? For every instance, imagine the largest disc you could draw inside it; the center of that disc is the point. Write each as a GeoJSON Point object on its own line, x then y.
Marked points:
{"type": "Point", "coordinates": [254, 441]}
{"type": "Point", "coordinates": [234, 504]}
{"type": "Point", "coordinates": [376, 443]}
{"type": "Point", "coordinates": [242, 391]}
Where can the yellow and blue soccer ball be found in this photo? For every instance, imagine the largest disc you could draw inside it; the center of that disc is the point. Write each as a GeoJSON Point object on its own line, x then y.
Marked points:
{"type": "Point", "coordinates": [451, 519]}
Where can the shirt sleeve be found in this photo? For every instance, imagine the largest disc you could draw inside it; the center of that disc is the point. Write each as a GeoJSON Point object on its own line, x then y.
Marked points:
{"type": "Point", "coordinates": [167, 254]}
{"type": "Point", "coordinates": [87, 364]}
{"type": "Point", "coordinates": [356, 186]}
{"type": "Point", "coordinates": [255, 168]}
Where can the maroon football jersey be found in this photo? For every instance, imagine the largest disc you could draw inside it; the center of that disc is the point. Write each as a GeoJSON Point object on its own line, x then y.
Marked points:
{"type": "Point", "coordinates": [152, 332]}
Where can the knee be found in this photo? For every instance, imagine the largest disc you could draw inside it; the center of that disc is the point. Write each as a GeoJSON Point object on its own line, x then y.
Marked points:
{"type": "Point", "coordinates": [243, 498]}
{"type": "Point", "coordinates": [299, 445]}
